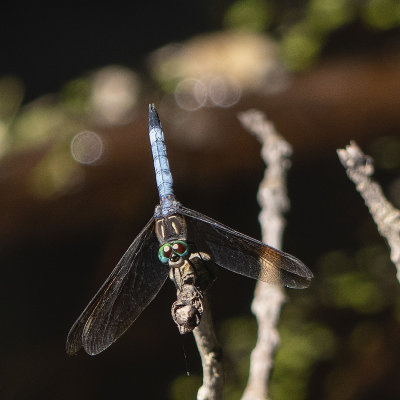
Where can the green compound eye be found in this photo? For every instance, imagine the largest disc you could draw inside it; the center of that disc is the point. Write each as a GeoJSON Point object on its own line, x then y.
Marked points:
{"type": "Point", "coordinates": [164, 253]}
{"type": "Point", "coordinates": [180, 247]}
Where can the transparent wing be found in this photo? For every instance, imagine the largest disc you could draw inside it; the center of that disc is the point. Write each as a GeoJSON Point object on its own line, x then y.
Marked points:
{"type": "Point", "coordinates": [131, 286]}
{"type": "Point", "coordinates": [244, 255]}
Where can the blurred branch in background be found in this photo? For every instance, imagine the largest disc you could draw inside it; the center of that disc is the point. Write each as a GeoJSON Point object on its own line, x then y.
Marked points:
{"type": "Point", "coordinates": [268, 299]}
{"type": "Point", "coordinates": [359, 169]}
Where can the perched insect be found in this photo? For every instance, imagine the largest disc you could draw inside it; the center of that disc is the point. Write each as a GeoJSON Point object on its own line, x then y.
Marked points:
{"type": "Point", "coordinates": [185, 245]}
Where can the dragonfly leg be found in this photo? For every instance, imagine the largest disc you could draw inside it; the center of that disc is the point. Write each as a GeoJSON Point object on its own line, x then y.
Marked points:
{"type": "Point", "coordinates": [205, 270]}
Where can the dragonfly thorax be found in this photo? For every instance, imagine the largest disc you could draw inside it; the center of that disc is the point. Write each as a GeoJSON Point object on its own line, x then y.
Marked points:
{"type": "Point", "coordinates": [170, 228]}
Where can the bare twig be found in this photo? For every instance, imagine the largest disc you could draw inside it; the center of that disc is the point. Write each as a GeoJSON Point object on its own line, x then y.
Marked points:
{"type": "Point", "coordinates": [211, 356]}
{"type": "Point", "coordinates": [191, 312]}
{"type": "Point", "coordinates": [274, 202]}
{"type": "Point", "coordinates": [359, 169]}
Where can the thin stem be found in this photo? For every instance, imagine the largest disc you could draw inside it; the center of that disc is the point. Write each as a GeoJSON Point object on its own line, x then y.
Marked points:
{"type": "Point", "coordinates": [211, 356]}
{"type": "Point", "coordinates": [274, 202]}
{"type": "Point", "coordinates": [359, 168]}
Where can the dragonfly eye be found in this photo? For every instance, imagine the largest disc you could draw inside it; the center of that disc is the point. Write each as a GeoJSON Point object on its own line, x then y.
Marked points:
{"type": "Point", "coordinates": [181, 248]}
{"type": "Point", "coordinates": [164, 253]}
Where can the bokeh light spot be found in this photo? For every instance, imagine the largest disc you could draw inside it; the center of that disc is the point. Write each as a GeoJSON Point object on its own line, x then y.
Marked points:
{"type": "Point", "coordinates": [115, 92]}
{"type": "Point", "coordinates": [223, 93]}
{"type": "Point", "coordinates": [190, 94]}
{"type": "Point", "coordinates": [87, 147]}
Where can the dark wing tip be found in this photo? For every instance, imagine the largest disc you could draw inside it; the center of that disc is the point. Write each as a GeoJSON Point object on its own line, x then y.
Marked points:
{"type": "Point", "coordinates": [72, 348]}
{"type": "Point", "coordinates": [300, 274]}
{"type": "Point", "coordinates": [71, 352]}
{"type": "Point", "coordinates": [296, 282]}
{"type": "Point", "coordinates": [94, 347]}
{"type": "Point", "coordinates": [309, 275]}
{"type": "Point", "coordinates": [154, 120]}
{"type": "Point", "coordinates": [89, 346]}
{"type": "Point", "coordinates": [74, 342]}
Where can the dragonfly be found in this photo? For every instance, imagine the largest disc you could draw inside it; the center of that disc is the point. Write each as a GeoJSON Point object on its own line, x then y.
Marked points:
{"type": "Point", "coordinates": [186, 246]}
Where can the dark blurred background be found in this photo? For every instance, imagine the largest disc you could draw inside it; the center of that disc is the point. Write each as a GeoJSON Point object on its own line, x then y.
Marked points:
{"type": "Point", "coordinates": [77, 185]}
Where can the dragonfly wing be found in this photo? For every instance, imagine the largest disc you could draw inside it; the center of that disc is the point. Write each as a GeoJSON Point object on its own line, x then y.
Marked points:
{"type": "Point", "coordinates": [131, 286]}
{"type": "Point", "coordinates": [244, 255]}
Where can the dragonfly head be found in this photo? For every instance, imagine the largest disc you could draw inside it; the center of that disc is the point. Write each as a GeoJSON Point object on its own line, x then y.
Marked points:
{"type": "Point", "coordinates": [174, 253]}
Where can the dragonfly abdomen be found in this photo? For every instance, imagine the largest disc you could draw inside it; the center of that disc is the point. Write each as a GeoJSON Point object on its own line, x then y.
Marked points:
{"type": "Point", "coordinates": [159, 150]}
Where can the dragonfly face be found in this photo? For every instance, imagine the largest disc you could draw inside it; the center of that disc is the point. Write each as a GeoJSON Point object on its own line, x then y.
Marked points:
{"type": "Point", "coordinates": [172, 253]}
